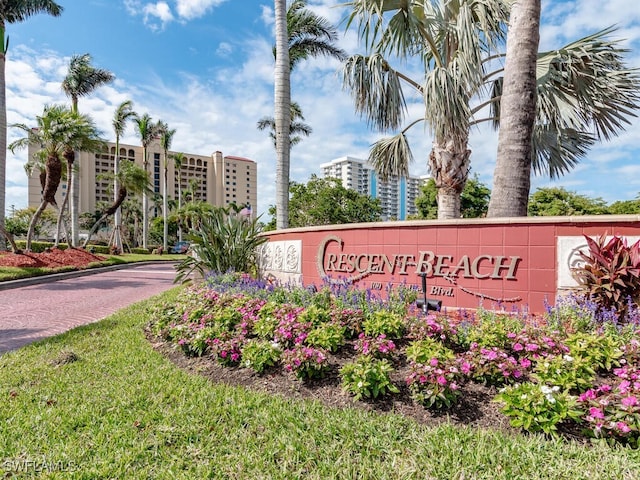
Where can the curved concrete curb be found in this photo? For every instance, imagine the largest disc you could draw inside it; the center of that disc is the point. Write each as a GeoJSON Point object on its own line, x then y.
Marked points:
{"type": "Point", "coordinates": [53, 277]}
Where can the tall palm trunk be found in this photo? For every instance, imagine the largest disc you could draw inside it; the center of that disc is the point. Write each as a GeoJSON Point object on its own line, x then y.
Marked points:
{"type": "Point", "coordinates": [121, 195]}
{"type": "Point", "coordinates": [282, 98]}
{"type": "Point", "coordinates": [512, 174]}
{"type": "Point", "coordinates": [165, 210]}
{"type": "Point", "coordinates": [69, 156]}
{"type": "Point", "coordinates": [53, 169]}
{"type": "Point", "coordinates": [449, 167]}
{"type": "Point", "coordinates": [3, 132]}
{"type": "Point", "coordinates": [117, 215]}
{"type": "Point", "coordinates": [145, 204]}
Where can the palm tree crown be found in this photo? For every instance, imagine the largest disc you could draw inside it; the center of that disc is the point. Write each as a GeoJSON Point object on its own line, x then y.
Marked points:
{"type": "Point", "coordinates": [83, 78]}
{"type": "Point", "coordinates": [584, 90]}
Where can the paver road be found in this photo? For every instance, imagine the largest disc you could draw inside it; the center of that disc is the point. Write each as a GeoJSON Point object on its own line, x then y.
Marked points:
{"type": "Point", "coordinates": [38, 311]}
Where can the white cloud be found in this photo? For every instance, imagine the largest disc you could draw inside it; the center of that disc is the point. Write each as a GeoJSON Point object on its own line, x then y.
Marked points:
{"type": "Point", "coordinates": [190, 9]}
{"type": "Point", "coordinates": [225, 49]}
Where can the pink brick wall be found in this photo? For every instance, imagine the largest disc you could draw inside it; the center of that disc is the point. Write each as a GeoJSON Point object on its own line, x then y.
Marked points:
{"type": "Point", "coordinates": [512, 262]}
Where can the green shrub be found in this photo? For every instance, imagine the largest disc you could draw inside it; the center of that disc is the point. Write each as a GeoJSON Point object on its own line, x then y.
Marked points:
{"type": "Point", "coordinates": [260, 354]}
{"type": "Point", "coordinates": [421, 351]}
{"type": "Point", "coordinates": [600, 350]}
{"type": "Point", "coordinates": [565, 371]}
{"type": "Point", "coordinates": [537, 408]}
{"type": "Point", "coordinates": [141, 251]}
{"type": "Point", "coordinates": [329, 336]}
{"type": "Point", "coordinates": [367, 377]}
{"type": "Point", "coordinates": [384, 322]}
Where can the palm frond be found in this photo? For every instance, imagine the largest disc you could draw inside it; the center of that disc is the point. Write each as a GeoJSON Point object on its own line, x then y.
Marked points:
{"type": "Point", "coordinates": [391, 157]}
{"type": "Point", "coordinates": [376, 90]}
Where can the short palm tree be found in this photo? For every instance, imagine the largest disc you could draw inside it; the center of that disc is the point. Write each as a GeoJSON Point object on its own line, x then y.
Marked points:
{"type": "Point", "coordinates": [148, 131]}
{"type": "Point", "coordinates": [130, 178]}
{"type": "Point", "coordinates": [84, 137]}
{"type": "Point", "coordinates": [81, 80]}
{"type": "Point", "coordinates": [122, 115]}
{"type": "Point", "coordinates": [166, 137]}
{"type": "Point", "coordinates": [56, 129]}
{"type": "Point", "coordinates": [584, 90]}
{"type": "Point", "coordinates": [14, 11]}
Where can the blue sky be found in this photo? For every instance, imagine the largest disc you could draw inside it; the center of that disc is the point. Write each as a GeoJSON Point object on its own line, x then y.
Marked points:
{"type": "Point", "coordinates": [206, 68]}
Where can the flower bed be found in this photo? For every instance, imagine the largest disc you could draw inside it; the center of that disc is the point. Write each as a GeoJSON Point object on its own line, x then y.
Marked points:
{"type": "Point", "coordinates": [567, 372]}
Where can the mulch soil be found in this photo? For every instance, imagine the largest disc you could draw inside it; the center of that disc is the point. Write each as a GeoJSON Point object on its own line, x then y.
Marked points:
{"type": "Point", "coordinates": [475, 407]}
{"type": "Point", "coordinates": [52, 258]}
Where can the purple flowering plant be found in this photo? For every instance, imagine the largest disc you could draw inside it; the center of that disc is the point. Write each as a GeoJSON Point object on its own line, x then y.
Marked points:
{"type": "Point", "coordinates": [493, 365]}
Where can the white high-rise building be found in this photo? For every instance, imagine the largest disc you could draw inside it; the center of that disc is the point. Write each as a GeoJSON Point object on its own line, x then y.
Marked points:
{"type": "Point", "coordinates": [397, 196]}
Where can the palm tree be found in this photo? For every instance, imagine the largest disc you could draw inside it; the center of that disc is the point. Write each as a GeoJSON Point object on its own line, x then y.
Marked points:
{"type": "Point", "coordinates": [13, 12]}
{"type": "Point", "coordinates": [581, 87]}
{"type": "Point", "coordinates": [130, 178]}
{"type": "Point", "coordinates": [296, 128]}
{"type": "Point", "coordinates": [512, 173]}
{"type": "Point", "coordinates": [310, 35]}
{"type": "Point", "coordinates": [166, 137]}
{"type": "Point", "coordinates": [178, 161]}
{"type": "Point", "coordinates": [148, 131]}
{"type": "Point", "coordinates": [306, 35]}
{"type": "Point", "coordinates": [282, 100]}
{"type": "Point", "coordinates": [123, 114]}
{"type": "Point", "coordinates": [85, 137]}
{"type": "Point", "coordinates": [81, 80]}
{"type": "Point", "coordinates": [57, 129]}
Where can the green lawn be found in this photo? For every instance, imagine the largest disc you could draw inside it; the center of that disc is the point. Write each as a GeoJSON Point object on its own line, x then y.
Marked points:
{"type": "Point", "coordinates": [99, 402]}
{"type": "Point", "coordinates": [15, 273]}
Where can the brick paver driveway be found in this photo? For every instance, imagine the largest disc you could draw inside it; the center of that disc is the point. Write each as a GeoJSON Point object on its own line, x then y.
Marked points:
{"type": "Point", "coordinates": [38, 311]}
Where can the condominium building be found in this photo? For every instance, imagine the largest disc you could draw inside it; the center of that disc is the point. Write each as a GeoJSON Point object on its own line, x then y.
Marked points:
{"type": "Point", "coordinates": [216, 179]}
{"type": "Point", "coordinates": [397, 195]}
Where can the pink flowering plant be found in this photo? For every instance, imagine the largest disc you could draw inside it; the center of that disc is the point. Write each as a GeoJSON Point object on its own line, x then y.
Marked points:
{"type": "Point", "coordinates": [431, 326]}
{"type": "Point", "coordinates": [305, 362]}
{"type": "Point", "coordinates": [435, 384]}
{"type": "Point", "coordinates": [367, 377]}
{"type": "Point", "coordinates": [612, 411]}
{"type": "Point", "coordinates": [493, 365]}
{"type": "Point", "coordinates": [227, 349]}
{"type": "Point", "coordinates": [377, 347]}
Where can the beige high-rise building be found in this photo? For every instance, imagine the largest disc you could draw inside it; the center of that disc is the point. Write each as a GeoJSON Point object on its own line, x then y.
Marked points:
{"type": "Point", "coordinates": [216, 179]}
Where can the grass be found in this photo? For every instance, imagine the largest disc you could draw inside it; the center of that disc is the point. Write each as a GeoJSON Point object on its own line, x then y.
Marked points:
{"type": "Point", "coordinates": [99, 402]}
{"type": "Point", "coordinates": [15, 273]}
